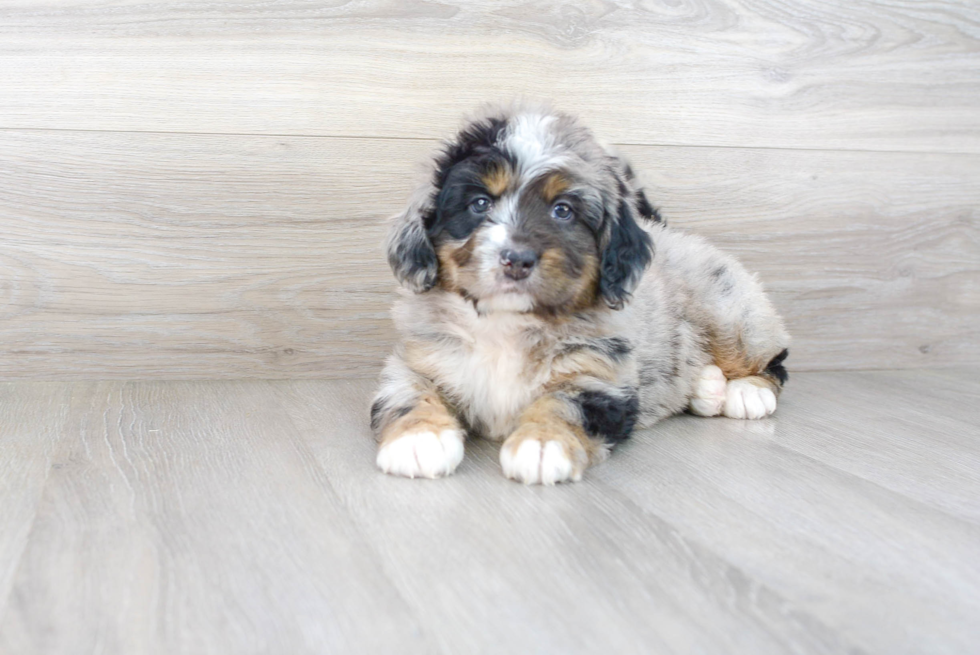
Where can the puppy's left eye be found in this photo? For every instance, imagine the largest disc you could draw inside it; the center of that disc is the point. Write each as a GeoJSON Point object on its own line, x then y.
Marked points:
{"type": "Point", "coordinates": [562, 211]}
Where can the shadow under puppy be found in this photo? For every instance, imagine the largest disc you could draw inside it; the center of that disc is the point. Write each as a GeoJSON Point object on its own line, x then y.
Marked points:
{"type": "Point", "coordinates": [547, 305]}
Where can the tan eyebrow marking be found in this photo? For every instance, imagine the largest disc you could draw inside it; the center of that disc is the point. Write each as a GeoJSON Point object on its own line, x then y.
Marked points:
{"type": "Point", "coordinates": [554, 185]}
{"type": "Point", "coordinates": [497, 179]}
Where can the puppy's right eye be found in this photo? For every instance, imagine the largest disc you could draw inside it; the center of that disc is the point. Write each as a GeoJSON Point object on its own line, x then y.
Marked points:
{"type": "Point", "coordinates": [480, 205]}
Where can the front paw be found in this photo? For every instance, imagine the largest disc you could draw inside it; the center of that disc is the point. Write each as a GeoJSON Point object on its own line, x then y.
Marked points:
{"type": "Point", "coordinates": [535, 456]}
{"type": "Point", "coordinates": [749, 398]}
{"type": "Point", "coordinates": [422, 453]}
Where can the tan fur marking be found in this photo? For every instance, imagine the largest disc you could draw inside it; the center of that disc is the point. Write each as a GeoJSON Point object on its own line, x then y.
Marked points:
{"type": "Point", "coordinates": [555, 185]}
{"type": "Point", "coordinates": [452, 257]}
{"type": "Point", "coordinates": [764, 382]}
{"type": "Point", "coordinates": [429, 415]}
{"type": "Point", "coordinates": [729, 355]}
{"type": "Point", "coordinates": [463, 254]}
{"type": "Point", "coordinates": [584, 288]}
{"type": "Point", "coordinates": [545, 421]}
{"type": "Point", "coordinates": [552, 266]}
{"type": "Point", "coordinates": [417, 355]}
{"type": "Point", "coordinates": [448, 268]}
{"type": "Point", "coordinates": [578, 364]}
{"type": "Point", "coordinates": [587, 286]}
{"type": "Point", "coordinates": [497, 180]}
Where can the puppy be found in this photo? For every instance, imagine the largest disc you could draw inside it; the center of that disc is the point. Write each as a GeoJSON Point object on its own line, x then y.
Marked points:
{"type": "Point", "coordinates": [548, 306]}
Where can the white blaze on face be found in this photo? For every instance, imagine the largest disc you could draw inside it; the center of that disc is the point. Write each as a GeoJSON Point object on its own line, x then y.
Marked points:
{"type": "Point", "coordinates": [488, 251]}
{"type": "Point", "coordinates": [496, 238]}
{"type": "Point", "coordinates": [505, 211]}
{"type": "Point", "coordinates": [497, 235]}
{"type": "Point", "coordinates": [530, 140]}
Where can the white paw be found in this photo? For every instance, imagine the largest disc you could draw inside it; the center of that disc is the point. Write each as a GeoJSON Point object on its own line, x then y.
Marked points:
{"type": "Point", "coordinates": [537, 463]}
{"type": "Point", "coordinates": [709, 392]}
{"type": "Point", "coordinates": [746, 399]}
{"type": "Point", "coordinates": [422, 454]}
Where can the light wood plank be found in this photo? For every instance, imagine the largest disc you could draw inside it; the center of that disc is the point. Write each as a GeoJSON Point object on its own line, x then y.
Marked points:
{"type": "Point", "coordinates": [849, 74]}
{"type": "Point", "coordinates": [249, 517]}
{"type": "Point", "coordinates": [175, 256]}
{"type": "Point", "coordinates": [187, 518]}
{"type": "Point", "coordinates": [493, 566]}
{"type": "Point", "coordinates": [857, 501]}
{"type": "Point", "coordinates": [924, 449]}
{"type": "Point", "coordinates": [258, 257]}
{"type": "Point", "coordinates": [32, 422]}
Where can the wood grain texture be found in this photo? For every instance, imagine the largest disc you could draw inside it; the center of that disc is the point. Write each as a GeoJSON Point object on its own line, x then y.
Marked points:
{"type": "Point", "coordinates": [860, 497]}
{"type": "Point", "coordinates": [189, 518]}
{"type": "Point", "coordinates": [248, 517]}
{"type": "Point", "coordinates": [190, 256]}
{"type": "Point", "coordinates": [840, 74]}
{"type": "Point", "coordinates": [33, 417]}
{"type": "Point", "coordinates": [595, 573]}
{"type": "Point", "coordinates": [852, 514]}
{"type": "Point", "coordinates": [212, 258]}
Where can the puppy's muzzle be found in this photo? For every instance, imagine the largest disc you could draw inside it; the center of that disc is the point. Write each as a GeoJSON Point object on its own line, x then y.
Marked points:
{"type": "Point", "coordinates": [518, 264]}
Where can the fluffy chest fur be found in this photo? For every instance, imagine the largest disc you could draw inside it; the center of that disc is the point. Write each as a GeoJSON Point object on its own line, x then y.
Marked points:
{"type": "Point", "coordinates": [493, 379]}
{"type": "Point", "coordinates": [491, 366]}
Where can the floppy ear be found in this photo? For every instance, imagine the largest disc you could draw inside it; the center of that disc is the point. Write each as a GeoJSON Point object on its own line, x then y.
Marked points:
{"type": "Point", "coordinates": [628, 248]}
{"type": "Point", "coordinates": [410, 253]}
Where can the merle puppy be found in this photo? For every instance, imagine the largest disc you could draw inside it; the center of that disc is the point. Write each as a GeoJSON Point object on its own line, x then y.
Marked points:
{"type": "Point", "coordinates": [548, 306]}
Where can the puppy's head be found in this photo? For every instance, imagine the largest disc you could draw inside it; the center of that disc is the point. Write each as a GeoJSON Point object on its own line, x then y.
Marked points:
{"type": "Point", "coordinates": [525, 212]}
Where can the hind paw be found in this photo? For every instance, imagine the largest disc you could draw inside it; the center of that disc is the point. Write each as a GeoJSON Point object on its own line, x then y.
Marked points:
{"type": "Point", "coordinates": [709, 392]}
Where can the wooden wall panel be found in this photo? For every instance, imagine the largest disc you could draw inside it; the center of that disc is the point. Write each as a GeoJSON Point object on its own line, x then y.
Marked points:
{"type": "Point", "coordinates": [841, 74]}
{"type": "Point", "coordinates": [190, 256]}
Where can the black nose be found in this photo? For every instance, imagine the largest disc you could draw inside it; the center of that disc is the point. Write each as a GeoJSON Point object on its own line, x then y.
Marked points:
{"type": "Point", "coordinates": [518, 263]}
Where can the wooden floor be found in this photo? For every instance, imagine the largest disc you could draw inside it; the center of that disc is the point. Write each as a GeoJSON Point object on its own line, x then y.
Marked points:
{"type": "Point", "coordinates": [248, 517]}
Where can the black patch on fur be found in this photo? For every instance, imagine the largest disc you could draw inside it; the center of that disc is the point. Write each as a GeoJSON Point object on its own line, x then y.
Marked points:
{"type": "Point", "coordinates": [643, 205]}
{"type": "Point", "coordinates": [414, 252]}
{"type": "Point", "coordinates": [463, 183]}
{"type": "Point", "coordinates": [615, 348]}
{"type": "Point", "coordinates": [479, 138]}
{"type": "Point", "coordinates": [629, 252]}
{"type": "Point", "coordinates": [378, 409]}
{"type": "Point", "coordinates": [610, 418]}
{"type": "Point", "coordinates": [458, 178]}
{"type": "Point", "coordinates": [429, 219]}
{"type": "Point", "coordinates": [718, 272]}
{"type": "Point", "coordinates": [776, 369]}
{"type": "Point", "coordinates": [647, 210]}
